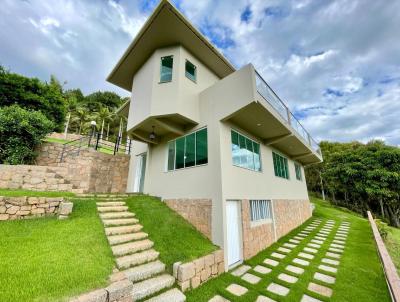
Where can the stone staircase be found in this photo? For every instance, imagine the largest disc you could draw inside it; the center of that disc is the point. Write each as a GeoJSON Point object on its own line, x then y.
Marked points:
{"type": "Point", "coordinates": [136, 260]}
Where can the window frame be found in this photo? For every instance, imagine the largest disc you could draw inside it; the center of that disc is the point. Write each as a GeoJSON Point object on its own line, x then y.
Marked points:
{"type": "Point", "coordinates": [172, 69]}
{"type": "Point", "coordinates": [268, 212]}
{"type": "Point", "coordinates": [195, 151]}
{"type": "Point", "coordinates": [287, 165]}
{"type": "Point", "coordinates": [298, 166]}
{"type": "Point", "coordinates": [195, 71]}
{"type": "Point", "coordinates": [253, 142]}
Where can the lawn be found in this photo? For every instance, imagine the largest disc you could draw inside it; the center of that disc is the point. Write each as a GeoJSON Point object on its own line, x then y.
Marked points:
{"type": "Point", "coordinates": [359, 277]}
{"type": "Point", "coordinates": [47, 259]}
{"type": "Point", "coordinates": [22, 192]}
{"type": "Point", "coordinates": [56, 140]}
{"type": "Point", "coordinates": [393, 245]}
{"type": "Point", "coordinates": [173, 236]}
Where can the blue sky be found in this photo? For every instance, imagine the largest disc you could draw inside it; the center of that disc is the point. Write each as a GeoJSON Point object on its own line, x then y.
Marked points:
{"type": "Point", "coordinates": [335, 63]}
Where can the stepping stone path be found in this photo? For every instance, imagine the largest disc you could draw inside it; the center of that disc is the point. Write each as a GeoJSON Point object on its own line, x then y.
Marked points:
{"type": "Point", "coordinates": [295, 269]}
{"type": "Point", "coordinates": [136, 259]}
{"type": "Point", "coordinates": [251, 278]}
{"type": "Point", "coordinates": [287, 278]}
{"type": "Point", "coordinates": [241, 270]}
{"type": "Point", "coordinates": [236, 289]}
{"type": "Point", "coordinates": [262, 269]}
{"type": "Point", "coordinates": [278, 289]}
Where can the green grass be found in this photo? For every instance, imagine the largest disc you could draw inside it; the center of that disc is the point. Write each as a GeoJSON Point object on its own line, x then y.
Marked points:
{"type": "Point", "coordinates": [56, 140]}
{"type": "Point", "coordinates": [22, 192]}
{"type": "Point", "coordinates": [359, 277]}
{"type": "Point", "coordinates": [46, 259]}
{"type": "Point", "coordinates": [392, 243]}
{"type": "Point", "coordinates": [173, 236]}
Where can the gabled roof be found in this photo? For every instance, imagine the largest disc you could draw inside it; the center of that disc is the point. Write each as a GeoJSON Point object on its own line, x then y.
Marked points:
{"type": "Point", "coordinates": [166, 27]}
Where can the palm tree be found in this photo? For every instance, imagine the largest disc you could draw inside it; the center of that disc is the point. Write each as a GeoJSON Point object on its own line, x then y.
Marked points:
{"type": "Point", "coordinates": [81, 116]}
{"type": "Point", "coordinates": [103, 115]}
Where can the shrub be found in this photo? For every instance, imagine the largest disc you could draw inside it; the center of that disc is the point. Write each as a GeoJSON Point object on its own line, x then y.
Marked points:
{"type": "Point", "coordinates": [20, 132]}
{"type": "Point", "coordinates": [382, 228]}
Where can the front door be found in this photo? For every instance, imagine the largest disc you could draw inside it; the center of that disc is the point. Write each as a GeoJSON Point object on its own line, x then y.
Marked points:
{"type": "Point", "coordinates": [233, 231]}
{"type": "Point", "coordinates": [140, 173]}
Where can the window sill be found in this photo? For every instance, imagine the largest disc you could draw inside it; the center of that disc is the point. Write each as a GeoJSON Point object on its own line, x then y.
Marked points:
{"type": "Point", "coordinates": [260, 222]}
{"type": "Point", "coordinates": [163, 82]}
{"type": "Point", "coordinates": [258, 171]}
{"type": "Point", "coordinates": [186, 168]}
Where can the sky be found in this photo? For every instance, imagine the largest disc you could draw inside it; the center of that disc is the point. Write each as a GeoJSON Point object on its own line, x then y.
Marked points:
{"type": "Point", "coordinates": [335, 63]}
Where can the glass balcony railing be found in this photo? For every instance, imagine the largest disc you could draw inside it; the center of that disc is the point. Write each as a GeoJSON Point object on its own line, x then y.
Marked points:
{"type": "Point", "coordinates": [270, 96]}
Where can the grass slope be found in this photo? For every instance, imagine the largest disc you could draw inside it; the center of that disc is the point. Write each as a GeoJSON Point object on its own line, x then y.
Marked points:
{"type": "Point", "coordinates": [22, 192]}
{"type": "Point", "coordinates": [173, 236]}
{"type": "Point", "coordinates": [359, 278]}
{"type": "Point", "coordinates": [47, 259]}
{"type": "Point", "coordinates": [393, 245]}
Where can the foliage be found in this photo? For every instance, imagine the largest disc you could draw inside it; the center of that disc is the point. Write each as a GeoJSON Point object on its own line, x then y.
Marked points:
{"type": "Point", "coordinates": [382, 228]}
{"type": "Point", "coordinates": [360, 177]}
{"type": "Point", "coordinates": [21, 131]}
{"type": "Point", "coordinates": [100, 99]}
{"type": "Point", "coordinates": [33, 94]}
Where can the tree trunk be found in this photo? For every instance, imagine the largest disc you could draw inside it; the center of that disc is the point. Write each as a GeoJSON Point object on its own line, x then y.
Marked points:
{"type": "Point", "coordinates": [381, 204]}
{"type": "Point", "coordinates": [108, 130]}
{"type": "Point", "coordinates": [393, 218]}
{"type": "Point", "coordinates": [67, 125]}
{"type": "Point", "coordinates": [102, 128]}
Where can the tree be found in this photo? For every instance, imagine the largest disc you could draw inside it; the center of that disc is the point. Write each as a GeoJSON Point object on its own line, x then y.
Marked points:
{"type": "Point", "coordinates": [99, 99]}
{"type": "Point", "coordinates": [104, 115]}
{"type": "Point", "coordinates": [81, 117]}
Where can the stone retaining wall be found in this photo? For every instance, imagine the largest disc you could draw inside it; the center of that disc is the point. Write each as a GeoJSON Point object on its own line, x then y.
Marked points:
{"type": "Point", "coordinates": [195, 211]}
{"type": "Point", "coordinates": [191, 274]}
{"type": "Point", "coordinates": [24, 207]}
{"type": "Point", "coordinates": [120, 291]}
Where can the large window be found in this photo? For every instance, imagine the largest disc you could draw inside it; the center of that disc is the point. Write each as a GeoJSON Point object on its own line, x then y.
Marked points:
{"type": "Point", "coordinates": [260, 210]}
{"type": "Point", "coordinates": [297, 168]}
{"type": "Point", "coordinates": [245, 152]}
{"type": "Point", "coordinates": [188, 151]}
{"type": "Point", "coordinates": [166, 69]}
{"type": "Point", "coordinates": [280, 165]}
{"type": "Point", "coordinates": [190, 71]}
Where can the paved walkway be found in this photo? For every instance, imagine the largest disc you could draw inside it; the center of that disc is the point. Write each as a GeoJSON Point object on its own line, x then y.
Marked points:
{"type": "Point", "coordinates": [313, 236]}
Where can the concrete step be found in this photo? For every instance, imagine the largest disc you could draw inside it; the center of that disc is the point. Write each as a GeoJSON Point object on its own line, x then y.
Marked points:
{"type": "Point", "coordinates": [112, 209]}
{"type": "Point", "coordinates": [117, 239]}
{"type": "Point", "coordinates": [172, 295]}
{"type": "Point", "coordinates": [110, 203]}
{"type": "Point", "coordinates": [151, 286]}
{"type": "Point", "coordinates": [123, 229]}
{"type": "Point", "coordinates": [136, 259]}
{"type": "Point", "coordinates": [112, 215]}
{"type": "Point", "coordinates": [144, 271]}
{"type": "Point", "coordinates": [122, 221]}
{"type": "Point", "coordinates": [132, 247]}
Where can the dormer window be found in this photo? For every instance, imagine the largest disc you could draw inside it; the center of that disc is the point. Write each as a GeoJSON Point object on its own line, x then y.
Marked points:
{"type": "Point", "coordinates": [166, 69]}
{"type": "Point", "coordinates": [190, 71]}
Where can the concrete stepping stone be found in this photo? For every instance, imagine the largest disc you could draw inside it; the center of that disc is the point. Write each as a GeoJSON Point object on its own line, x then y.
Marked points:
{"type": "Point", "coordinates": [301, 262]}
{"type": "Point", "coordinates": [295, 269]}
{"type": "Point", "coordinates": [136, 259]}
{"type": "Point", "coordinates": [262, 269]}
{"type": "Point", "coordinates": [151, 286]}
{"type": "Point", "coordinates": [277, 289]}
{"type": "Point", "coordinates": [287, 278]}
{"type": "Point", "coordinates": [144, 271]}
{"type": "Point", "coordinates": [327, 268]}
{"type": "Point", "coordinates": [252, 279]}
{"type": "Point", "coordinates": [339, 241]}
{"type": "Point", "coordinates": [123, 229]}
{"type": "Point", "coordinates": [306, 232]}
{"type": "Point", "coordinates": [131, 247]}
{"type": "Point", "coordinates": [305, 255]}
{"type": "Point", "coordinates": [112, 215]}
{"type": "Point", "coordinates": [307, 298]}
{"type": "Point", "coordinates": [332, 249]}
{"type": "Point", "coordinates": [112, 209]}
{"type": "Point", "coordinates": [284, 250]}
{"type": "Point", "coordinates": [324, 232]}
{"type": "Point", "coordinates": [277, 255]}
{"type": "Point", "coordinates": [110, 203]}
{"type": "Point", "coordinates": [236, 289]}
{"type": "Point", "coordinates": [120, 221]}
{"type": "Point", "coordinates": [320, 289]}
{"type": "Point", "coordinates": [271, 262]}
{"type": "Point", "coordinates": [333, 255]}
{"type": "Point", "coordinates": [317, 246]}
{"type": "Point", "coordinates": [302, 235]}
{"type": "Point", "coordinates": [294, 241]}
{"type": "Point", "coordinates": [174, 295]}
{"type": "Point", "coordinates": [298, 238]}
{"type": "Point", "coordinates": [241, 270]}
{"type": "Point", "coordinates": [324, 278]}
{"type": "Point", "coordinates": [116, 239]}
{"type": "Point", "coordinates": [317, 241]}
{"type": "Point", "coordinates": [289, 245]}
{"type": "Point", "coordinates": [310, 250]}
{"type": "Point", "coordinates": [330, 261]}
{"type": "Point", "coordinates": [339, 246]}
{"type": "Point", "coordinates": [264, 299]}
{"type": "Point", "coordinates": [218, 298]}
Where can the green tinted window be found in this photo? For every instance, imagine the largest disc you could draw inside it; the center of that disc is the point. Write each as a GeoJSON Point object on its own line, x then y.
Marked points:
{"type": "Point", "coordinates": [280, 165]}
{"type": "Point", "coordinates": [190, 153]}
{"type": "Point", "coordinates": [166, 69]}
{"type": "Point", "coordinates": [201, 147]}
{"type": "Point", "coordinates": [297, 168]}
{"type": "Point", "coordinates": [190, 71]}
{"type": "Point", "coordinates": [245, 152]}
{"type": "Point", "coordinates": [180, 153]}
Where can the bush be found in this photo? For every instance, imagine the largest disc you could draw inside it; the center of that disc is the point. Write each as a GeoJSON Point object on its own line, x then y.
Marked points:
{"type": "Point", "coordinates": [21, 131]}
{"type": "Point", "coordinates": [382, 228]}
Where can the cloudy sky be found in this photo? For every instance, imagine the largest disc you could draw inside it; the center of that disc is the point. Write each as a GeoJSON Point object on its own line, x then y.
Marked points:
{"type": "Point", "coordinates": [336, 63]}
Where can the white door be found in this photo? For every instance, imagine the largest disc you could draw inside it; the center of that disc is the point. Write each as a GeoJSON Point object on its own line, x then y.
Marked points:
{"type": "Point", "coordinates": [233, 232]}
{"type": "Point", "coordinates": [140, 173]}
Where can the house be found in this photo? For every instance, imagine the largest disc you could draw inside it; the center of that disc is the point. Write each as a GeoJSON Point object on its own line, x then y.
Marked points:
{"type": "Point", "coordinates": [215, 143]}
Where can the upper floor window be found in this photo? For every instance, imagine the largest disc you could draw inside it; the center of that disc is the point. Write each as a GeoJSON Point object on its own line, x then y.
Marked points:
{"type": "Point", "coordinates": [166, 69]}
{"type": "Point", "coordinates": [245, 152]}
{"type": "Point", "coordinates": [280, 165]}
{"type": "Point", "coordinates": [188, 151]}
{"type": "Point", "coordinates": [297, 168]}
{"type": "Point", "coordinates": [190, 71]}
{"type": "Point", "coordinates": [260, 210]}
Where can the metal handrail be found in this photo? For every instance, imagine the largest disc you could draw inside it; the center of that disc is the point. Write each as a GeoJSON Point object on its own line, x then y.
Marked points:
{"type": "Point", "coordinates": [282, 109]}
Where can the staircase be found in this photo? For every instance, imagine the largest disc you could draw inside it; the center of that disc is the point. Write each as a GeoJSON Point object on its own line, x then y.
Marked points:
{"type": "Point", "coordinates": [136, 259]}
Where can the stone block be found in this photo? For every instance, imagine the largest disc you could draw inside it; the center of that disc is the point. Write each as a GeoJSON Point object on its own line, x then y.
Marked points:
{"type": "Point", "coordinates": [37, 211]}
{"type": "Point", "coordinates": [3, 209]}
{"type": "Point", "coordinates": [65, 208]}
{"type": "Point", "coordinates": [175, 267]}
{"type": "Point", "coordinates": [12, 210]}
{"type": "Point", "coordinates": [214, 269]}
{"type": "Point", "coordinates": [186, 271]}
{"type": "Point", "coordinates": [43, 205]}
{"type": "Point", "coordinates": [18, 201]}
{"type": "Point", "coordinates": [99, 295]}
{"type": "Point", "coordinates": [4, 216]}
{"type": "Point", "coordinates": [118, 290]}
{"type": "Point", "coordinates": [23, 213]}
{"type": "Point", "coordinates": [219, 256]}
{"type": "Point", "coordinates": [184, 286]}
{"type": "Point", "coordinates": [26, 208]}
{"type": "Point", "coordinates": [221, 268]}
{"type": "Point", "coordinates": [195, 281]}
{"type": "Point", "coordinates": [205, 274]}
{"type": "Point", "coordinates": [199, 264]}
{"type": "Point", "coordinates": [209, 260]}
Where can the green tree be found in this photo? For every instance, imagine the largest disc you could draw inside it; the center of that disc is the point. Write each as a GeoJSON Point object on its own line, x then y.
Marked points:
{"type": "Point", "coordinates": [108, 99]}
